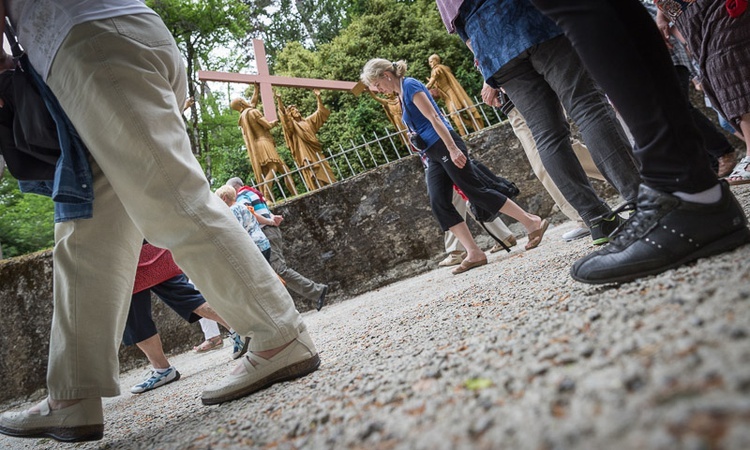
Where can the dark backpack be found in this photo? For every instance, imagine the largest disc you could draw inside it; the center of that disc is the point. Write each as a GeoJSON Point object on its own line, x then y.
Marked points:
{"type": "Point", "coordinates": [28, 134]}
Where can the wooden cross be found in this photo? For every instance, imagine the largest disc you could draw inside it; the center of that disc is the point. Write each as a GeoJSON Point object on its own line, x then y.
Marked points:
{"type": "Point", "coordinates": [266, 80]}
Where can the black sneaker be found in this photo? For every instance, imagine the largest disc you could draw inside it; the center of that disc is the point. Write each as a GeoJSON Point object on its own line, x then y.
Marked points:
{"type": "Point", "coordinates": [665, 232]}
{"type": "Point", "coordinates": [602, 227]}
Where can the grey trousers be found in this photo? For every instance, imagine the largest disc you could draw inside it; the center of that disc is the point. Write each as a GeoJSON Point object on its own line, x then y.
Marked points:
{"type": "Point", "coordinates": [294, 281]}
{"type": "Point", "coordinates": [538, 81]}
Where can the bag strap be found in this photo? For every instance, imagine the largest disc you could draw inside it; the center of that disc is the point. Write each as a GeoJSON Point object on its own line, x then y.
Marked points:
{"type": "Point", "coordinates": [499, 241]}
{"type": "Point", "coordinates": [10, 33]}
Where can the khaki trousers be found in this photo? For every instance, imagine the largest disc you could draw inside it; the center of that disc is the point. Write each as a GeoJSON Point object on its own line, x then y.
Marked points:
{"type": "Point", "coordinates": [523, 133]}
{"type": "Point", "coordinates": [122, 83]}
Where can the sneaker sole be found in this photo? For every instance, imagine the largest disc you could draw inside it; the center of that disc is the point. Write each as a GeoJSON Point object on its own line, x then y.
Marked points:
{"type": "Point", "coordinates": [177, 377]}
{"type": "Point", "coordinates": [64, 434]}
{"type": "Point", "coordinates": [287, 373]}
{"type": "Point", "coordinates": [601, 241]}
{"type": "Point", "coordinates": [724, 244]}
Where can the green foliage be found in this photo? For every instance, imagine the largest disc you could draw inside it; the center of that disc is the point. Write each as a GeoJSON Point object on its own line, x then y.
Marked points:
{"type": "Point", "coordinates": [389, 29]}
{"type": "Point", "coordinates": [26, 221]}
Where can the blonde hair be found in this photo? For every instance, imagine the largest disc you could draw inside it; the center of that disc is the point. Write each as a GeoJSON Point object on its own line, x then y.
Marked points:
{"type": "Point", "coordinates": [378, 66]}
{"type": "Point", "coordinates": [227, 194]}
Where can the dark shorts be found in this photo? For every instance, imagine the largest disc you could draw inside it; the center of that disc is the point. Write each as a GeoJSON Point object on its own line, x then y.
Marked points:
{"type": "Point", "coordinates": [720, 45]}
{"type": "Point", "coordinates": [176, 292]}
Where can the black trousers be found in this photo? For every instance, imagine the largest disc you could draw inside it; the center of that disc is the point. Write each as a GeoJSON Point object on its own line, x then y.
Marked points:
{"type": "Point", "coordinates": [623, 50]}
{"type": "Point", "coordinates": [442, 174]}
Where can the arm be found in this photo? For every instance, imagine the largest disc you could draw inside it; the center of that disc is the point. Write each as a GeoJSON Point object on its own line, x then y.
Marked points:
{"type": "Point", "coordinates": [321, 106]}
{"type": "Point", "coordinates": [662, 23]}
{"type": "Point", "coordinates": [254, 99]}
{"type": "Point", "coordinates": [382, 101]}
{"type": "Point", "coordinates": [425, 107]}
{"type": "Point", "coordinates": [260, 218]}
{"type": "Point", "coordinates": [489, 96]}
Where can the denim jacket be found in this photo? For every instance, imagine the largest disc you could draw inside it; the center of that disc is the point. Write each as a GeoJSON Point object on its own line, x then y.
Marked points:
{"type": "Point", "coordinates": [500, 30]}
{"type": "Point", "coordinates": [72, 189]}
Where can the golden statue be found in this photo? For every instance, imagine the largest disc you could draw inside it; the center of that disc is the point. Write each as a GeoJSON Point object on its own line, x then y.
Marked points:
{"type": "Point", "coordinates": [392, 106]}
{"type": "Point", "coordinates": [454, 96]}
{"type": "Point", "coordinates": [261, 148]}
{"type": "Point", "coordinates": [299, 134]}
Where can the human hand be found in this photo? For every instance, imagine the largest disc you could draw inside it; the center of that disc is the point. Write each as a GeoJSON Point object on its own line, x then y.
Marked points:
{"type": "Point", "coordinates": [458, 158]}
{"type": "Point", "coordinates": [490, 96]}
{"type": "Point", "coordinates": [662, 23]}
{"type": "Point", "coordinates": [316, 92]}
{"type": "Point", "coordinates": [277, 219]}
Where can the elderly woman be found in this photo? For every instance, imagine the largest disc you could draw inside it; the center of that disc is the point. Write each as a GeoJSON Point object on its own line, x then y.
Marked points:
{"type": "Point", "coordinates": [448, 161]}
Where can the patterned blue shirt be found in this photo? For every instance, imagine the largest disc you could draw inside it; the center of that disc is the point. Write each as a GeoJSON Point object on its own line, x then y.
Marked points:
{"type": "Point", "coordinates": [499, 30]}
{"type": "Point", "coordinates": [251, 225]}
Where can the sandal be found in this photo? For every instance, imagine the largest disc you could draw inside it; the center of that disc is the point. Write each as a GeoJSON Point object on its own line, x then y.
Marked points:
{"type": "Point", "coordinates": [466, 266]}
{"type": "Point", "coordinates": [535, 237]}
{"type": "Point", "coordinates": [213, 343]}
{"type": "Point", "coordinates": [726, 164]}
{"type": "Point", "coordinates": [740, 173]}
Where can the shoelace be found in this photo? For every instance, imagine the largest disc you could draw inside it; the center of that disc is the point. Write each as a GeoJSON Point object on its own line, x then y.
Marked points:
{"type": "Point", "coordinates": [638, 222]}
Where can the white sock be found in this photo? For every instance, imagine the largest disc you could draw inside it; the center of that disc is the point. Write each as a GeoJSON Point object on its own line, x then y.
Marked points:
{"type": "Point", "coordinates": [710, 195]}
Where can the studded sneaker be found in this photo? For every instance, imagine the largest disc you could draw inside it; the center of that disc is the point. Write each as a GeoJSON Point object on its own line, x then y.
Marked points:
{"type": "Point", "coordinates": [665, 232]}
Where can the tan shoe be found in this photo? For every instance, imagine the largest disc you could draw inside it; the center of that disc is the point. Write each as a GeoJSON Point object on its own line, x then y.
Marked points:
{"type": "Point", "coordinates": [296, 360]}
{"type": "Point", "coordinates": [213, 343]}
{"type": "Point", "coordinates": [453, 259]}
{"type": "Point", "coordinates": [510, 241]}
{"type": "Point", "coordinates": [83, 421]}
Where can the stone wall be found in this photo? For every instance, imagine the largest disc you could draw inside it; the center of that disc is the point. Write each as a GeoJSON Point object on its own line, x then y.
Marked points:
{"type": "Point", "coordinates": [356, 236]}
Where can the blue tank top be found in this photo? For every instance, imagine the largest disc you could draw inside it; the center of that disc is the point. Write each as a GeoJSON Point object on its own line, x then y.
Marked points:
{"type": "Point", "coordinates": [413, 117]}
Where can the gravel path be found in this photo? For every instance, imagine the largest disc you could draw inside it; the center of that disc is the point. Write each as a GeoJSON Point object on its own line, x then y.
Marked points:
{"type": "Point", "coordinates": [512, 355]}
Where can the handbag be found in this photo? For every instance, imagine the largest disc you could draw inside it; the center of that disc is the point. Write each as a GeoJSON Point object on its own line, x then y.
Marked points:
{"type": "Point", "coordinates": [495, 182]}
{"type": "Point", "coordinates": [28, 134]}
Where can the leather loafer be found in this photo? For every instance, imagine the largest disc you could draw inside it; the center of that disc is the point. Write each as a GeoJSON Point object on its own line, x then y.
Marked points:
{"type": "Point", "coordinates": [298, 359]}
{"type": "Point", "coordinates": [83, 421]}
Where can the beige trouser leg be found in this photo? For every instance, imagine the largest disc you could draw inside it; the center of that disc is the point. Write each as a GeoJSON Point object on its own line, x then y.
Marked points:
{"type": "Point", "coordinates": [496, 227]}
{"type": "Point", "coordinates": [523, 133]}
{"type": "Point", "coordinates": [124, 95]}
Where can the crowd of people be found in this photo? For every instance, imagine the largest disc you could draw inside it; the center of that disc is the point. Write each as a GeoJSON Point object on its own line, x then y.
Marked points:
{"type": "Point", "coordinates": [123, 93]}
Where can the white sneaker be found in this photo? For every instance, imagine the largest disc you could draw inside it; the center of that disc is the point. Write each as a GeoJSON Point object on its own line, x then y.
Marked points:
{"type": "Point", "coordinates": [576, 233]}
{"type": "Point", "coordinates": [453, 259]}
{"type": "Point", "coordinates": [155, 379]}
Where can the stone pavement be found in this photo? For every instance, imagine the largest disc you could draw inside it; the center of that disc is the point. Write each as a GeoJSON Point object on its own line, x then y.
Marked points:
{"type": "Point", "coordinates": [512, 355]}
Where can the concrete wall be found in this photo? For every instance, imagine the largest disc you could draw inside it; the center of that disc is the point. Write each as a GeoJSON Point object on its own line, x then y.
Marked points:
{"type": "Point", "coordinates": [356, 236]}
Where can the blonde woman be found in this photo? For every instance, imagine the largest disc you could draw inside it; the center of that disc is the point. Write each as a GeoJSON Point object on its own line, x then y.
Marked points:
{"type": "Point", "coordinates": [448, 161]}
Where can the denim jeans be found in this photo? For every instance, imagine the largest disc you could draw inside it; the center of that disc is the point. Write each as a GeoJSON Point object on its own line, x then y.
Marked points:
{"type": "Point", "coordinates": [538, 81]}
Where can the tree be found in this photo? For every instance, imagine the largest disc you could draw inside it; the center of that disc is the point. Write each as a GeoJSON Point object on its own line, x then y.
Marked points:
{"type": "Point", "coordinates": [26, 221]}
{"type": "Point", "coordinates": [386, 29]}
{"type": "Point", "coordinates": [209, 34]}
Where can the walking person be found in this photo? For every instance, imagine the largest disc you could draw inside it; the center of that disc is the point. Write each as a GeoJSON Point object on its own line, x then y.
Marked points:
{"type": "Point", "coordinates": [448, 161]}
{"type": "Point", "coordinates": [123, 92]}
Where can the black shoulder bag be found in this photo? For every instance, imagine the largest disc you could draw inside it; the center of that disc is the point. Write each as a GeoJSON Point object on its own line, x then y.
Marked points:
{"type": "Point", "coordinates": [28, 134]}
{"type": "Point", "coordinates": [497, 183]}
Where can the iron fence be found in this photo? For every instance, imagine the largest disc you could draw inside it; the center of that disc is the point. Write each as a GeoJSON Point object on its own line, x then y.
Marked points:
{"type": "Point", "coordinates": [368, 154]}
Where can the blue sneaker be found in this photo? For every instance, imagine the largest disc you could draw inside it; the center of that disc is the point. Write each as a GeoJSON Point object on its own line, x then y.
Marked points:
{"type": "Point", "coordinates": [240, 344]}
{"type": "Point", "coordinates": [156, 379]}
